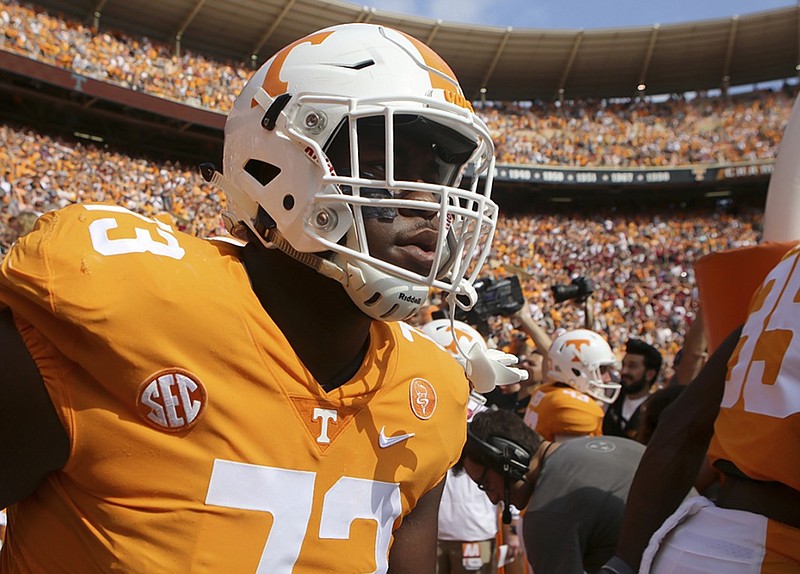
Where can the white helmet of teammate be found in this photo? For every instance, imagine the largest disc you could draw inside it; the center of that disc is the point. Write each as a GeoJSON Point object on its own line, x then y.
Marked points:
{"type": "Point", "coordinates": [485, 368]}
{"type": "Point", "coordinates": [456, 337]}
{"type": "Point", "coordinates": [445, 333]}
{"type": "Point", "coordinates": [575, 358]}
{"type": "Point", "coordinates": [321, 94]}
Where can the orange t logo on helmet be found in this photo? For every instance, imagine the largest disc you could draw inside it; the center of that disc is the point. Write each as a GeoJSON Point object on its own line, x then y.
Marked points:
{"type": "Point", "coordinates": [577, 343]}
{"type": "Point", "coordinates": [273, 84]}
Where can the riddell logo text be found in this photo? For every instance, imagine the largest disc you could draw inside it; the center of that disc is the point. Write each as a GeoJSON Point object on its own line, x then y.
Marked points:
{"type": "Point", "coordinates": [409, 298]}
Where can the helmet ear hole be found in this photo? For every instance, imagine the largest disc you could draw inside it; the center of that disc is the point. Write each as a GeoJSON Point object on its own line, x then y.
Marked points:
{"type": "Point", "coordinates": [288, 202]}
{"type": "Point", "coordinates": [576, 372]}
{"type": "Point", "coordinates": [262, 171]}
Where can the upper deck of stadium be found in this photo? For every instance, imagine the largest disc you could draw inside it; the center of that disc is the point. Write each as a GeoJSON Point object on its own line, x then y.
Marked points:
{"type": "Point", "coordinates": [503, 64]}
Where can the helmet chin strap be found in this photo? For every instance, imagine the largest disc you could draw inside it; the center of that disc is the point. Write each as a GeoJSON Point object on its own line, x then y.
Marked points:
{"type": "Point", "coordinates": [317, 263]}
{"type": "Point", "coordinates": [464, 290]}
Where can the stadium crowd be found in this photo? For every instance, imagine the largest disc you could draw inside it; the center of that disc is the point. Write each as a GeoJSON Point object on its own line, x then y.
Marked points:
{"type": "Point", "coordinates": [747, 127]}
{"type": "Point", "coordinates": [640, 262]}
{"type": "Point", "coordinates": [640, 133]}
{"type": "Point", "coordinates": [43, 173]}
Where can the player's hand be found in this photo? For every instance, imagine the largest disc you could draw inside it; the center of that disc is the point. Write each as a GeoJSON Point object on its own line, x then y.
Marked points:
{"type": "Point", "coordinates": [514, 548]}
{"type": "Point", "coordinates": [491, 368]}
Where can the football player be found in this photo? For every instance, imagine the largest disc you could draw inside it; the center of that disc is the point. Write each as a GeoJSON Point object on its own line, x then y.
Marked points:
{"type": "Point", "coordinates": [580, 374]}
{"type": "Point", "coordinates": [744, 410]}
{"type": "Point", "coordinates": [173, 404]}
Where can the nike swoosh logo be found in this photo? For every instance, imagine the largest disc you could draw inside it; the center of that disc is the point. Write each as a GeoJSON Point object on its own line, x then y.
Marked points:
{"type": "Point", "coordinates": [387, 441]}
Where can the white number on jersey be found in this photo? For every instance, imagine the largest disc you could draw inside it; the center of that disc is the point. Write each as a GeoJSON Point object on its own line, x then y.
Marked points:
{"type": "Point", "coordinates": [767, 358]}
{"type": "Point", "coordinates": [288, 495]}
{"type": "Point", "coordinates": [142, 242]}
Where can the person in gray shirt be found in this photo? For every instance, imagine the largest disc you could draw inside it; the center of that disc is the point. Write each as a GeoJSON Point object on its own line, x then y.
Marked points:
{"type": "Point", "coordinates": [574, 492]}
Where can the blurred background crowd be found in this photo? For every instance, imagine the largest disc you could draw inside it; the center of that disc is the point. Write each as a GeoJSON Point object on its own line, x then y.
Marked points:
{"type": "Point", "coordinates": [574, 133]}
{"type": "Point", "coordinates": [641, 260]}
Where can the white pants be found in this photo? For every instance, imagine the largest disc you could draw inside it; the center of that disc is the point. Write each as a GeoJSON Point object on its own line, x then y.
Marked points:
{"type": "Point", "coordinates": [700, 538]}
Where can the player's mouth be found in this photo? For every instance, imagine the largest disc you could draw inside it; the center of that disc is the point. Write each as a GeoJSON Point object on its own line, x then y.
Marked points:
{"type": "Point", "coordinates": [418, 250]}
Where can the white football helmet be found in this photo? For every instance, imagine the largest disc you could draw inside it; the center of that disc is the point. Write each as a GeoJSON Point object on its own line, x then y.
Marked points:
{"type": "Point", "coordinates": [575, 358]}
{"type": "Point", "coordinates": [456, 337]}
{"type": "Point", "coordinates": [485, 368]}
{"type": "Point", "coordinates": [321, 93]}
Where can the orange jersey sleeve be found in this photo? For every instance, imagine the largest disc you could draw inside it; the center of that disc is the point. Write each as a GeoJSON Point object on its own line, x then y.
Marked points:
{"type": "Point", "coordinates": [199, 442]}
{"type": "Point", "coordinates": [555, 410]}
{"type": "Point", "coordinates": [758, 426]}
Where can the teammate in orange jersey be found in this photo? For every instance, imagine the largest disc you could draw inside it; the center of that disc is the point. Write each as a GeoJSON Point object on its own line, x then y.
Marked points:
{"type": "Point", "coordinates": [579, 374]}
{"type": "Point", "coordinates": [172, 404]}
{"type": "Point", "coordinates": [746, 403]}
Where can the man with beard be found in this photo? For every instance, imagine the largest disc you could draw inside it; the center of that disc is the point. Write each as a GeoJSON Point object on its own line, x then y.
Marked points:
{"type": "Point", "coordinates": [640, 367]}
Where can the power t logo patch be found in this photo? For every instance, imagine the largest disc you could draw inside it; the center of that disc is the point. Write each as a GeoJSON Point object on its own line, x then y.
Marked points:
{"type": "Point", "coordinates": [171, 400]}
{"type": "Point", "coordinates": [423, 398]}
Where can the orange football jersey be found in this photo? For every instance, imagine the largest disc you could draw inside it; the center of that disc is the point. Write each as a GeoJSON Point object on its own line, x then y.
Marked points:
{"type": "Point", "coordinates": [758, 427]}
{"type": "Point", "coordinates": [199, 442]}
{"type": "Point", "coordinates": [555, 410]}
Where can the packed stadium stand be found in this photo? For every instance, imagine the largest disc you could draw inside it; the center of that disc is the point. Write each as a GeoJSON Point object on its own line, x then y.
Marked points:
{"type": "Point", "coordinates": [629, 192]}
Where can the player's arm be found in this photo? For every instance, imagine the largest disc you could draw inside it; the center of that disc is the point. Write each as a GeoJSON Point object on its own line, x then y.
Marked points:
{"type": "Point", "coordinates": [523, 321]}
{"type": "Point", "coordinates": [694, 351]}
{"type": "Point", "coordinates": [414, 547]}
{"type": "Point", "coordinates": [33, 441]}
{"type": "Point", "coordinates": [670, 465]}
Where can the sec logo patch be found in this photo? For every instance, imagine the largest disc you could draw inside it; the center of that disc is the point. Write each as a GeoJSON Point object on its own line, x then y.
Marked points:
{"type": "Point", "coordinates": [172, 400]}
{"type": "Point", "coordinates": [422, 396]}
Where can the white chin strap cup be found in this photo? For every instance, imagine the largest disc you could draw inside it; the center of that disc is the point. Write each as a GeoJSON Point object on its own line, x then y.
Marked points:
{"type": "Point", "coordinates": [489, 369]}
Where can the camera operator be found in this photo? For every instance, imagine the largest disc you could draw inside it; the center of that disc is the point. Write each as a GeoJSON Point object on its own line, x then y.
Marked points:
{"type": "Point", "coordinates": [533, 360]}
